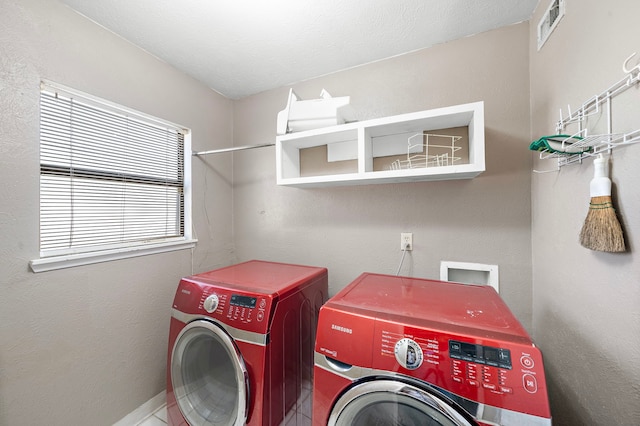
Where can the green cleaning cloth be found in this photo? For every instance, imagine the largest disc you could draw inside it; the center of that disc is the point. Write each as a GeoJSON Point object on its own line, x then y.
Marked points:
{"type": "Point", "coordinates": [554, 144]}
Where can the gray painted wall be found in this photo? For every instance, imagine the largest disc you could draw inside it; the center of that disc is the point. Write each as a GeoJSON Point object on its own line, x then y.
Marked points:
{"type": "Point", "coordinates": [586, 304]}
{"type": "Point", "coordinates": [88, 345]}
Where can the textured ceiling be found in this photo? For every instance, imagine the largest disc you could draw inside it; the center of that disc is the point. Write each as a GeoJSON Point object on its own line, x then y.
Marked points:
{"type": "Point", "coordinates": [243, 47]}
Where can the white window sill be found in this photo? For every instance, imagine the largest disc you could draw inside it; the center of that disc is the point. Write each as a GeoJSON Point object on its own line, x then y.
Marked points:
{"type": "Point", "coordinates": [68, 261]}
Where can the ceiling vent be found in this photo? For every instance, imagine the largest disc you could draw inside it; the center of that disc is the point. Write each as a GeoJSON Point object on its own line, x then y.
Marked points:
{"type": "Point", "coordinates": [550, 20]}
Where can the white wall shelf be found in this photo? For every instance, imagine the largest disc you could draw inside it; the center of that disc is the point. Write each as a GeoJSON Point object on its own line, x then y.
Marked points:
{"type": "Point", "coordinates": [356, 145]}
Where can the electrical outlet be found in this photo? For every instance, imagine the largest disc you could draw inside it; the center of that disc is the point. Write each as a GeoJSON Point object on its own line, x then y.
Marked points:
{"type": "Point", "coordinates": [406, 241]}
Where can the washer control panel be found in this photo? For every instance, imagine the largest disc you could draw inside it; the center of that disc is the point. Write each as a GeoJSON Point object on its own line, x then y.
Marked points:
{"type": "Point", "coordinates": [481, 366]}
{"type": "Point", "coordinates": [492, 368]}
{"type": "Point", "coordinates": [480, 354]}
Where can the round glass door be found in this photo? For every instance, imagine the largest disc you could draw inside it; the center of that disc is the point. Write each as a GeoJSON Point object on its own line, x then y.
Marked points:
{"type": "Point", "coordinates": [392, 403]}
{"type": "Point", "coordinates": [209, 377]}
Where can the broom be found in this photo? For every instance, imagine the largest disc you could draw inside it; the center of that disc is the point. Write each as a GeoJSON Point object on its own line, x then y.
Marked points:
{"type": "Point", "coordinates": [601, 230]}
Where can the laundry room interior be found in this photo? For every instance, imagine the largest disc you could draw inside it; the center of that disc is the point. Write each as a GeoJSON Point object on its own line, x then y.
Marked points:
{"type": "Point", "coordinates": [86, 343]}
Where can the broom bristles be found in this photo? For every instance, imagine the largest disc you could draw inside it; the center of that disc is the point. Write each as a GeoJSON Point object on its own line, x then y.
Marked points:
{"type": "Point", "coordinates": [601, 230]}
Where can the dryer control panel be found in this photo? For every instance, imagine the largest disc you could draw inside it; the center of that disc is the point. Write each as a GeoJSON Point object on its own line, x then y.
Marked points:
{"type": "Point", "coordinates": [236, 308]}
{"type": "Point", "coordinates": [240, 310]}
{"type": "Point", "coordinates": [246, 308]}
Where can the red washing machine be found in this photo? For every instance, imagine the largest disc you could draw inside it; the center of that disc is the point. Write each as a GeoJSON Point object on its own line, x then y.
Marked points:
{"type": "Point", "coordinates": [405, 351]}
{"type": "Point", "coordinates": [241, 344]}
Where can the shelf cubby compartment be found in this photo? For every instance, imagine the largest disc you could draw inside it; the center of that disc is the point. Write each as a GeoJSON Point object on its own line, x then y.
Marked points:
{"type": "Point", "coordinates": [364, 152]}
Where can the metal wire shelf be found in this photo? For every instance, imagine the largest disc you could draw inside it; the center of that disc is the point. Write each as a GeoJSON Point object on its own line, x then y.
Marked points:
{"type": "Point", "coordinates": [581, 144]}
{"type": "Point", "coordinates": [430, 154]}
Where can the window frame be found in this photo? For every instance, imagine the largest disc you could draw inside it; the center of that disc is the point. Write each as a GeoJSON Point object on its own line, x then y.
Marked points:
{"type": "Point", "coordinates": [51, 259]}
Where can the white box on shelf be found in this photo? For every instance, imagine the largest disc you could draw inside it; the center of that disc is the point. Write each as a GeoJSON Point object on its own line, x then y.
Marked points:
{"type": "Point", "coordinates": [300, 115]}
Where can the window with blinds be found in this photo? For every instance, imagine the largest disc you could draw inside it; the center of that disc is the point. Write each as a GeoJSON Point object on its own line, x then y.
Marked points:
{"type": "Point", "coordinates": [109, 177]}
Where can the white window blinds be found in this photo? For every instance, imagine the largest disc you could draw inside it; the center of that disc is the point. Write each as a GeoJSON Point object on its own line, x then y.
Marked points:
{"type": "Point", "coordinates": [108, 177]}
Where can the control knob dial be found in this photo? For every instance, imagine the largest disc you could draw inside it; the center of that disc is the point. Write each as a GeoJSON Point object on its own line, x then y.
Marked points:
{"type": "Point", "coordinates": [408, 353]}
{"type": "Point", "coordinates": [211, 303]}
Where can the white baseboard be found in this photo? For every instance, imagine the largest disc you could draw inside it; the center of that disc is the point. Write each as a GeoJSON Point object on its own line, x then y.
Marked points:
{"type": "Point", "coordinates": [143, 411]}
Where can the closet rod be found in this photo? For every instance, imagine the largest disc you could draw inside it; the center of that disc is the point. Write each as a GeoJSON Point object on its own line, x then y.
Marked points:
{"type": "Point", "coordinates": [235, 148]}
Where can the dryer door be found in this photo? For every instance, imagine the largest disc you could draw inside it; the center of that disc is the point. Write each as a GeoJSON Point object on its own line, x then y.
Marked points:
{"type": "Point", "coordinates": [391, 402]}
{"type": "Point", "coordinates": [209, 378]}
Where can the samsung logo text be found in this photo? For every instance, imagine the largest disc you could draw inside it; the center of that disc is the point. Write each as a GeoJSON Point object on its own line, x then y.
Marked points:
{"type": "Point", "coordinates": [341, 329]}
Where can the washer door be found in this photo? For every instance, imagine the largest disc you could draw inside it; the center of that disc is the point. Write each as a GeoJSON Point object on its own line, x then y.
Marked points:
{"type": "Point", "coordinates": [209, 378]}
{"type": "Point", "coordinates": [391, 403]}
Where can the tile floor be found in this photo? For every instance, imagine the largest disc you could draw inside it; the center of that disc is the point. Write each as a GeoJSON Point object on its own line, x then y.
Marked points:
{"type": "Point", "coordinates": [157, 418]}
{"type": "Point", "coordinates": [300, 416]}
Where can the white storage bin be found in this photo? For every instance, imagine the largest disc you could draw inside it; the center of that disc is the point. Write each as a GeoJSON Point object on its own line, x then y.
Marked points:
{"type": "Point", "coordinates": [300, 115]}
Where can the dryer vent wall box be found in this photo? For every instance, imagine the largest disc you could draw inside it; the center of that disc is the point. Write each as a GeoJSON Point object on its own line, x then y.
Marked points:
{"type": "Point", "coordinates": [470, 273]}
{"type": "Point", "coordinates": [550, 21]}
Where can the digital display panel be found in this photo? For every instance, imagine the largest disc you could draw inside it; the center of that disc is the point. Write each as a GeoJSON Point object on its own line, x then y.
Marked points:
{"type": "Point", "coordinates": [490, 354]}
{"type": "Point", "coordinates": [243, 301]}
{"type": "Point", "coordinates": [480, 354]}
{"type": "Point", "coordinates": [469, 351]}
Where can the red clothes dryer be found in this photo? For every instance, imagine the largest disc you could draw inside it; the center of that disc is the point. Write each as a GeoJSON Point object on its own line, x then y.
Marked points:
{"type": "Point", "coordinates": [241, 344]}
{"type": "Point", "coordinates": [395, 350]}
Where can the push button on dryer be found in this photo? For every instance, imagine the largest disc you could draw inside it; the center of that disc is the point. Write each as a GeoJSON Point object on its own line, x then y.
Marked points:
{"type": "Point", "coordinates": [505, 389]}
{"type": "Point", "coordinates": [527, 361]}
{"type": "Point", "coordinates": [530, 383]}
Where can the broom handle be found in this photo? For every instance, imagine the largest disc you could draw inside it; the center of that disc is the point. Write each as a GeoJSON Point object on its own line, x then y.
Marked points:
{"type": "Point", "coordinates": [600, 185]}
